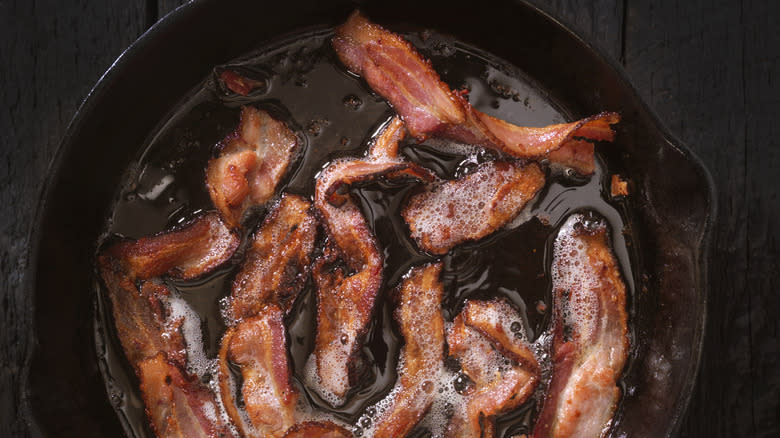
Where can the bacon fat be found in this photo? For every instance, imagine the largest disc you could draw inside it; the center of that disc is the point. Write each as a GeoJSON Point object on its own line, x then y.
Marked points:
{"type": "Point", "coordinates": [471, 207]}
{"type": "Point", "coordinates": [252, 161]}
{"type": "Point", "coordinates": [590, 333]}
{"type": "Point", "coordinates": [395, 70]}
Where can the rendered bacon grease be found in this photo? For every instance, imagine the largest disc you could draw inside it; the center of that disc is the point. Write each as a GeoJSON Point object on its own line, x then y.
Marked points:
{"type": "Point", "coordinates": [461, 366]}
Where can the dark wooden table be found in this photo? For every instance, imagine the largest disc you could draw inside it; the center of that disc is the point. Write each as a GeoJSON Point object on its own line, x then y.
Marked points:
{"type": "Point", "coordinates": [710, 68]}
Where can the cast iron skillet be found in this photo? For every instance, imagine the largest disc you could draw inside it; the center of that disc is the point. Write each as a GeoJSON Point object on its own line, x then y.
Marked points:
{"type": "Point", "coordinates": [673, 202]}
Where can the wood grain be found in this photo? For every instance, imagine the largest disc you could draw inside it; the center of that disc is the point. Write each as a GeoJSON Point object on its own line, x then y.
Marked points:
{"type": "Point", "coordinates": [51, 54]}
{"type": "Point", "coordinates": [709, 68]}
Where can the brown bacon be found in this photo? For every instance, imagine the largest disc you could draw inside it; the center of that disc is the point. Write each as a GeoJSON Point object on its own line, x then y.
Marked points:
{"type": "Point", "coordinates": [317, 429]}
{"type": "Point", "coordinates": [590, 333]}
{"type": "Point", "coordinates": [187, 252]}
{"type": "Point", "coordinates": [142, 315]}
{"type": "Point", "coordinates": [346, 294]}
{"type": "Point", "coordinates": [395, 70]}
{"type": "Point", "coordinates": [419, 316]}
{"type": "Point", "coordinates": [277, 263]}
{"type": "Point", "coordinates": [482, 339]}
{"type": "Point", "coordinates": [239, 84]}
{"type": "Point", "coordinates": [179, 405]}
{"type": "Point", "coordinates": [258, 347]}
{"type": "Point", "coordinates": [471, 207]}
{"type": "Point", "coordinates": [250, 165]}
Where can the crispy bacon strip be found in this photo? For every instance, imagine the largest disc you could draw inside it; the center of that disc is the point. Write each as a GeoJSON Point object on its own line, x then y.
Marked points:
{"type": "Point", "coordinates": [590, 333]}
{"type": "Point", "coordinates": [187, 252]}
{"type": "Point", "coordinates": [317, 429]}
{"type": "Point", "coordinates": [482, 339]}
{"type": "Point", "coordinates": [250, 165]}
{"type": "Point", "coordinates": [258, 347]}
{"type": "Point", "coordinates": [277, 264]}
{"type": "Point", "coordinates": [470, 208]}
{"type": "Point", "coordinates": [349, 273]}
{"type": "Point", "coordinates": [239, 84]}
{"type": "Point", "coordinates": [394, 69]}
{"type": "Point", "coordinates": [142, 314]}
{"type": "Point", "coordinates": [422, 357]}
{"type": "Point", "coordinates": [179, 405]}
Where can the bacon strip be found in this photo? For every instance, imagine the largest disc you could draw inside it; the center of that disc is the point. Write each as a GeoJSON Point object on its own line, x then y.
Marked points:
{"type": "Point", "coordinates": [187, 252]}
{"type": "Point", "coordinates": [470, 208]}
{"type": "Point", "coordinates": [395, 70]}
{"type": "Point", "coordinates": [179, 405]}
{"type": "Point", "coordinates": [482, 339]}
{"type": "Point", "coordinates": [250, 165]}
{"type": "Point", "coordinates": [422, 357]}
{"type": "Point", "coordinates": [590, 333]}
{"type": "Point", "coordinates": [317, 429]}
{"type": "Point", "coordinates": [277, 263]}
{"type": "Point", "coordinates": [349, 273]}
{"type": "Point", "coordinates": [258, 346]}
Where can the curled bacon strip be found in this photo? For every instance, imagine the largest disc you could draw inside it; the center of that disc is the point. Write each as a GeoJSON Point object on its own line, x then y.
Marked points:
{"type": "Point", "coordinates": [258, 347]}
{"type": "Point", "coordinates": [349, 273]}
{"type": "Point", "coordinates": [422, 326]}
{"type": "Point", "coordinates": [394, 69]}
{"type": "Point", "coordinates": [250, 165]}
{"type": "Point", "coordinates": [179, 405]}
{"type": "Point", "coordinates": [471, 207]}
{"type": "Point", "coordinates": [590, 333]}
{"type": "Point", "coordinates": [277, 263]}
{"type": "Point", "coordinates": [187, 252]}
{"type": "Point", "coordinates": [482, 338]}
{"type": "Point", "coordinates": [317, 429]}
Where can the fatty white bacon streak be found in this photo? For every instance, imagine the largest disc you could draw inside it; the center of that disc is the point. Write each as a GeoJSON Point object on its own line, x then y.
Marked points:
{"type": "Point", "coordinates": [590, 333]}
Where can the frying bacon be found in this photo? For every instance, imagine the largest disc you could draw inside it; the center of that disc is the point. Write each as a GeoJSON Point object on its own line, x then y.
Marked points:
{"type": "Point", "coordinates": [395, 70]}
{"type": "Point", "coordinates": [187, 252]}
{"type": "Point", "coordinates": [250, 165]}
{"type": "Point", "coordinates": [277, 263]}
{"type": "Point", "coordinates": [422, 325]}
{"type": "Point", "coordinates": [317, 429]}
{"type": "Point", "coordinates": [349, 273]}
{"type": "Point", "coordinates": [176, 402]}
{"type": "Point", "coordinates": [483, 337]}
{"type": "Point", "coordinates": [239, 84]}
{"type": "Point", "coordinates": [179, 405]}
{"type": "Point", "coordinates": [471, 207]}
{"type": "Point", "coordinates": [258, 347]}
{"type": "Point", "coordinates": [590, 333]}
{"type": "Point", "coordinates": [142, 314]}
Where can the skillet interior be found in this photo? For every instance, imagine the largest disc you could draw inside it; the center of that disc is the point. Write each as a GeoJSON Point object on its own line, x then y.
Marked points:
{"type": "Point", "coordinates": [672, 205]}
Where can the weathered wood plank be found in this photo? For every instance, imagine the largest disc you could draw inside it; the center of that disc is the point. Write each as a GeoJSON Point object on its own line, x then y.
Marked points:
{"type": "Point", "coordinates": [761, 64]}
{"type": "Point", "coordinates": [51, 54]}
{"type": "Point", "coordinates": [706, 68]}
{"type": "Point", "coordinates": [599, 22]}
